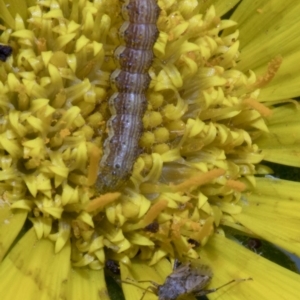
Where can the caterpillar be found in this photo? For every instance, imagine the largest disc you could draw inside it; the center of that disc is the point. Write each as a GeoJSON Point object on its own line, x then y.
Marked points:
{"type": "Point", "coordinates": [128, 104]}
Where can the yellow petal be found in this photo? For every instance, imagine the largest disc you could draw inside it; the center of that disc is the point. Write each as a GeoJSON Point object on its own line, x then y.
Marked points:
{"type": "Point", "coordinates": [230, 260]}
{"type": "Point", "coordinates": [86, 284]}
{"type": "Point", "coordinates": [37, 270]}
{"type": "Point", "coordinates": [11, 223]}
{"type": "Point", "coordinates": [274, 33]}
{"type": "Point", "coordinates": [272, 212]}
{"type": "Point", "coordinates": [281, 143]}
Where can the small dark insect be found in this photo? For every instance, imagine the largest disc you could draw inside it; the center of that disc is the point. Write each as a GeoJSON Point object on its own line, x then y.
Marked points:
{"type": "Point", "coordinates": [113, 266]}
{"type": "Point", "coordinates": [5, 52]}
{"type": "Point", "coordinates": [186, 279]}
{"type": "Point", "coordinates": [152, 227]}
{"type": "Point", "coordinates": [254, 244]}
{"type": "Point", "coordinates": [194, 242]}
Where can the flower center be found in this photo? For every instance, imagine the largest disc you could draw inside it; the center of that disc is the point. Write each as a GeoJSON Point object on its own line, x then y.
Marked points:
{"type": "Point", "coordinates": [197, 150]}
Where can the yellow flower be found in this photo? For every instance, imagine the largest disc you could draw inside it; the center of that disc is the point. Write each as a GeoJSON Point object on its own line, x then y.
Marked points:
{"type": "Point", "coordinates": [212, 117]}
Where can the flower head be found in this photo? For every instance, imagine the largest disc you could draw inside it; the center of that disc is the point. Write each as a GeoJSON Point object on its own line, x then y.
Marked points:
{"type": "Point", "coordinates": [209, 123]}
